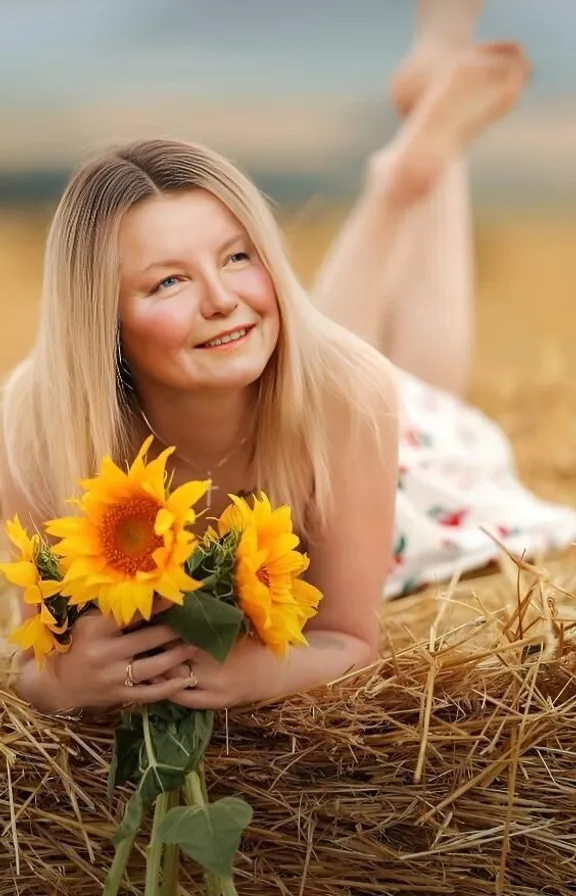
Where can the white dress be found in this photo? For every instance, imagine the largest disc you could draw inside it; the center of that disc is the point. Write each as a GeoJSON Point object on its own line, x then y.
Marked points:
{"type": "Point", "coordinates": [457, 476]}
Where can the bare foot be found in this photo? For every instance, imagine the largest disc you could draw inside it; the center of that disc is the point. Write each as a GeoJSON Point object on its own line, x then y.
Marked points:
{"type": "Point", "coordinates": [443, 29]}
{"type": "Point", "coordinates": [481, 85]}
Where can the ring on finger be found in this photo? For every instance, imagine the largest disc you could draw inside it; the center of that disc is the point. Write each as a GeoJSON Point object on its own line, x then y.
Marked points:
{"type": "Point", "coordinates": [193, 677]}
{"type": "Point", "coordinates": [130, 681]}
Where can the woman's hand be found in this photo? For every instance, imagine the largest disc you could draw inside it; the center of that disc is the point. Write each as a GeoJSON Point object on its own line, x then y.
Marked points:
{"type": "Point", "coordinates": [102, 659]}
{"type": "Point", "coordinates": [210, 684]}
{"type": "Point", "coordinates": [252, 672]}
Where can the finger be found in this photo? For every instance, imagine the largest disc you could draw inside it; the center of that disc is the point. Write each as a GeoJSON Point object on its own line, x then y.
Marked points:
{"type": "Point", "coordinates": [145, 639]}
{"type": "Point", "coordinates": [161, 604]}
{"type": "Point", "coordinates": [147, 668]}
{"type": "Point", "coordinates": [97, 624]}
{"type": "Point", "coordinates": [197, 698]}
{"type": "Point", "coordinates": [150, 693]}
{"type": "Point", "coordinates": [181, 671]}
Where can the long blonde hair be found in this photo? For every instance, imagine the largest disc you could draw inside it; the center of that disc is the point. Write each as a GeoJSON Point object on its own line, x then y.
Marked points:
{"type": "Point", "coordinates": [62, 410]}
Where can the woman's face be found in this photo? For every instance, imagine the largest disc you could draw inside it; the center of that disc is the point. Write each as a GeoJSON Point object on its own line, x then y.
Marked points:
{"type": "Point", "coordinates": [197, 306]}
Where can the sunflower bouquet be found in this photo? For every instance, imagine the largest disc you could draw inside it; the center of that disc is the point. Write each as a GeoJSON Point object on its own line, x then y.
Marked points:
{"type": "Point", "coordinates": [131, 542]}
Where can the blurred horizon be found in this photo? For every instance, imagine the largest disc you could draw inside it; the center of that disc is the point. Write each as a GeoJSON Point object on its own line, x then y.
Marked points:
{"type": "Point", "coordinates": [295, 94]}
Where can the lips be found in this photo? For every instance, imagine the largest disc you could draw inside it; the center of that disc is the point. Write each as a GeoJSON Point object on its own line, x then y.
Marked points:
{"type": "Point", "coordinates": [226, 338]}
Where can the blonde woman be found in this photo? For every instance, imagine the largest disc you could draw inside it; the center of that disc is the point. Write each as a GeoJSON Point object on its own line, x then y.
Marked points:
{"type": "Point", "coordinates": [169, 308]}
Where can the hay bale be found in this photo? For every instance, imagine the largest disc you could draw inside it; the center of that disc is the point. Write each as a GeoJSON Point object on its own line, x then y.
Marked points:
{"type": "Point", "coordinates": [448, 768]}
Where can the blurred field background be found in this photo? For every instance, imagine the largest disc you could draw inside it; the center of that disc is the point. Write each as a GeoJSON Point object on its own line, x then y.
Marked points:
{"type": "Point", "coordinates": [296, 94]}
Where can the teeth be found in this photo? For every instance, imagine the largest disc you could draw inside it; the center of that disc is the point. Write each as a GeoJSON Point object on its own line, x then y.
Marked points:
{"type": "Point", "coordinates": [230, 337]}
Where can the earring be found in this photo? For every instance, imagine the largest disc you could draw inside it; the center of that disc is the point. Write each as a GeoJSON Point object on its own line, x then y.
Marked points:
{"type": "Point", "coordinates": [124, 382]}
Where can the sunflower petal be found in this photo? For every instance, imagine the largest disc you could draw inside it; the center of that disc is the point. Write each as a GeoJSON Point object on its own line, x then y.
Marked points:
{"type": "Point", "coordinates": [164, 521]}
{"type": "Point", "coordinates": [21, 573]}
{"type": "Point", "coordinates": [20, 538]}
{"type": "Point", "coordinates": [186, 496]}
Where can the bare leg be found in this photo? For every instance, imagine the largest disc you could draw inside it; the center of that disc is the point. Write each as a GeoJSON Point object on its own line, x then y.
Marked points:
{"type": "Point", "coordinates": [428, 329]}
{"type": "Point", "coordinates": [402, 267]}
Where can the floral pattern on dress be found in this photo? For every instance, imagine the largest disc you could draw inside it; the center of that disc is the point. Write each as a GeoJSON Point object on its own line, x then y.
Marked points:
{"type": "Point", "coordinates": [456, 479]}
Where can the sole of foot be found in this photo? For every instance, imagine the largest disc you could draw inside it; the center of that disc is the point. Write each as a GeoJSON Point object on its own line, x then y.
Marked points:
{"type": "Point", "coordinates": [478, 88]}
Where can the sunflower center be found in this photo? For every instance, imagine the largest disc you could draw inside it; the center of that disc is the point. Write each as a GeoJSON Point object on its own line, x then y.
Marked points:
{"type": "Point", "coordinates": [264, 576]}
{"type": "Point", "coordinates": [128, 536]}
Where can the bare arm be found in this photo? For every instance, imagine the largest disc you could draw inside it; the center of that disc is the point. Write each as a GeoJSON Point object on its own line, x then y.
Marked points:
{"type": "Point", "coordinates": [349, 563]}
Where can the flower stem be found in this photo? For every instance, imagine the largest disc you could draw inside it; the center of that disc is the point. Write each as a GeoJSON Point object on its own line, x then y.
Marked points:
{"type": "Point", "coordinates": [116, 872]}
{"type": "Point", "coordinates": [154, 851]}
{"type": "Point", "coordinates": [171, 856]}
{"type": "Point", "coordinates": [195, 794]}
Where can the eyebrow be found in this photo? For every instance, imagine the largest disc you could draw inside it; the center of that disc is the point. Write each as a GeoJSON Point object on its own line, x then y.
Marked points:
{"type": "Point", "coordinates": [175, 262]}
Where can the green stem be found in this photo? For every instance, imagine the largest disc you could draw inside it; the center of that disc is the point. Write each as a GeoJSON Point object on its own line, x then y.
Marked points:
{"type": "Point", "coordinates": [116, 873]}
{"type": "Point", "coordinates": [154, 851]}
{"type": "Point", "coordinates": [171, 856]}
{"type": "Point", "coordinates": [195, 794]}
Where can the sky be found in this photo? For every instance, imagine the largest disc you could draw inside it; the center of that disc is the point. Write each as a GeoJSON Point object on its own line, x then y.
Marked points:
{"type": "Point", "coordinates": [68, 51]}
{"type": "Point", "coordinates": [288, 85]}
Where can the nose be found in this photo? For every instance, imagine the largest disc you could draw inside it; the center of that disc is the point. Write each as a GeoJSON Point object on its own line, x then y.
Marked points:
{"type": "Point", "coordinates": [217, 299]}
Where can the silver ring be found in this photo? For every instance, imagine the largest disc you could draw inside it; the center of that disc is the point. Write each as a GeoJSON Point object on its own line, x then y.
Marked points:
{"type": "Point", "coordinates": [193, 676]}
{"type": "Point", "coordinates": [130, 680]}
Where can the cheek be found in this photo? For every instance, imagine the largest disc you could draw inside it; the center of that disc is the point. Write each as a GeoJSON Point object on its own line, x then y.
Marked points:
{"type": "Point", "coordinates": [159, 326]}
{"type": "Point", "coordinates": [260, 290]}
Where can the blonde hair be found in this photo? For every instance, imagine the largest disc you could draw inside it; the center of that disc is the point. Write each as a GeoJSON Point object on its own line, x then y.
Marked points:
{"type": "Point", "coordinates": [62, 410]}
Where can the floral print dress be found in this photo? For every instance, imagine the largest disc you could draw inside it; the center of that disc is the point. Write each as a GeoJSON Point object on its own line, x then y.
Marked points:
{"type": "Point", "coordinates": [457, 477]}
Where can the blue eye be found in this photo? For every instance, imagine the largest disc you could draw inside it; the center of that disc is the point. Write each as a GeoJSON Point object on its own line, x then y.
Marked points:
{"type": "Point", "coordinates": [238, 257]}
{"type": "Point", "coordinates": [166, 283]}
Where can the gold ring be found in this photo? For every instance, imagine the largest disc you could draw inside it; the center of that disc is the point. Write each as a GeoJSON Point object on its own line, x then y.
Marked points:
{"type": "Point", "coordinates": [193, 677]}
{"type": "Point", "coordinates": [130, 680]}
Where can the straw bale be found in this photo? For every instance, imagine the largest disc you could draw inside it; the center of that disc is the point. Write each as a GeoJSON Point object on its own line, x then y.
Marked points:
{"type": "Point", "coordinates": [447, 768]}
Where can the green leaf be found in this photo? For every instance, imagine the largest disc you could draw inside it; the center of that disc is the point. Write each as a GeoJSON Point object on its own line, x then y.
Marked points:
{"type": "Point", "coordinates": [171, 743]}
{"type": "Point", "coordinates": [132, 819]}
{"type": "Point", "coordinates": [210, 834]}
{"type": "Point", "coordinates": [127, 742]}
{"type": "Point", "coordinates": [180, 744]}
{"type": "Point", "coordinates": [206, 622]}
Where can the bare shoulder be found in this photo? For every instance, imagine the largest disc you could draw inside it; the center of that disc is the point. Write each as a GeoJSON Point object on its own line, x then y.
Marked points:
{"type": "Point", "coordinates": [370, 424]}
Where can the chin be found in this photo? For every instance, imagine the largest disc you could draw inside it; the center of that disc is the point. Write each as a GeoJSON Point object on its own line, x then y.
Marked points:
{"type": "Point", "coordinates": [239, 377]}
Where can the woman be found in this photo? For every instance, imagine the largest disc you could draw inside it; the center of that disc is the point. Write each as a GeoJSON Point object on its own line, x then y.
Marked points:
{"type": "Point", "coordinates": [169, 308]}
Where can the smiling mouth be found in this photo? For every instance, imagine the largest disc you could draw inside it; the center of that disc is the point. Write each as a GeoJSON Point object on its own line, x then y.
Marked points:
{"type": "Point", "coordinates": [227, 338]}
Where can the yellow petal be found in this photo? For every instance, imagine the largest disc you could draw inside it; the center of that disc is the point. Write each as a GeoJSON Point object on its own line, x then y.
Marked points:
{"type": "Point", "coordinates": [65, 526]}
{"type": "Point", "coordinates": [235, 517]}
{"type": "Point", "coordinates": [49, 587]}
{"type": "Point", "coordinates": [152, 477]}
{"type": "Point", "coordinates": [166, 588]}
{"type": "Point", "coordinates": [19, 537]}
{"type": "Point", "coordinates": [34, 634]}
{"type": "Point", "coordinates": [183, 581]}
{"type": "Point", "coordinates": [82, 567]}
{"type": "Point", "coordinates": [306, 594]}
{"type": "Point", "coordinates": [46, 616]}
{"type": "Point", "coordinates": [164, 521]}
{"type": "Point", "coordinates": [21, 573]}
{"type": "Point", "coordinates": [110, 481]}
{"type": "Point", "coordinates": [80, 544]}
{"type": "Point", "coordinates": [185, 496]}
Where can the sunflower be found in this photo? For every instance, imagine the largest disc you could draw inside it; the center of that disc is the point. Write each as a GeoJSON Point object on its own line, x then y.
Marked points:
{"type": "Point", "coordinates": [39, 631]}
{"type": "Point", "coordinates": [24, 571]}
{"type": "Point", "coordinates": [277, 602]}
{"type": "Point", "coordinates": [132, 539]}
